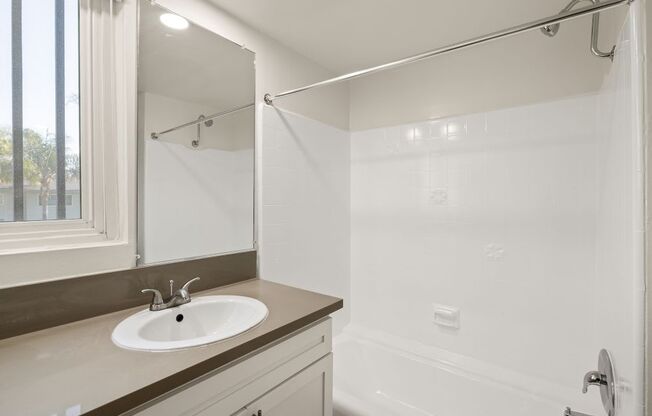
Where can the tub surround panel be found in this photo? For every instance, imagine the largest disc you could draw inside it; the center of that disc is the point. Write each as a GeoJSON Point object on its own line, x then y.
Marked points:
{"type": "Point", "coordinates": [76, 368]}
{"type": "Point", "coordinates": [38, 306]}
{"type": "Point", "coordinates": [527, 221]}
{"type": "Point", "coordinates": [492, 214]}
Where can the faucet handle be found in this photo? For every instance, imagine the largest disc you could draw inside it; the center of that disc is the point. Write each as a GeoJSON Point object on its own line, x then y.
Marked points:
{"type": "Point", "coordinates": [157, 299]}
{"type": "Point", "coordinates": [569, 412]}
{"type": "Point", "coordinates": [593, 378]}
{"type": "Point", "coordinates": [185, 286]}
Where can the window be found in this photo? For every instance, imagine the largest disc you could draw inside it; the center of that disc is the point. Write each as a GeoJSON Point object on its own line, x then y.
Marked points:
{"type": "Point", "coordinates": [53, 199]}
{"type": "Point", "coordinates": [68, 151]}
{"type": "Point", "coordinates": [39, 109]}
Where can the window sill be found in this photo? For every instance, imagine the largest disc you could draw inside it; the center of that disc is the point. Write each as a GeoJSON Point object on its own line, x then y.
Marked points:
{"type": "Point", "coordinates": [58, 243]}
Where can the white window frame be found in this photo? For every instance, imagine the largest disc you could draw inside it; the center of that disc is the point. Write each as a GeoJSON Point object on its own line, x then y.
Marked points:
{"type": "Point", "coordinates": [107, 49]}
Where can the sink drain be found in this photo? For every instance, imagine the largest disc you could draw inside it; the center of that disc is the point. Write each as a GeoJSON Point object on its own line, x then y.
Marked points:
{"type": "Point", "coordinates": [179, 318]}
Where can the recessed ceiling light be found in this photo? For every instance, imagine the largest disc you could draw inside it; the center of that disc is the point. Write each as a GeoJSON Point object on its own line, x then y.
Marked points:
{"type": "Point", "coordinates": [174, 21]}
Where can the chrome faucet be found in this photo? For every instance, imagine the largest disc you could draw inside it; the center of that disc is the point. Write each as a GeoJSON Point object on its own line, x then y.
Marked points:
{"type": "Point", "coordinates": [180, 297]}
{"type": "Point", "coordinates": [605, 380]}
{"type": "Point", "coordinates": [593, 378]}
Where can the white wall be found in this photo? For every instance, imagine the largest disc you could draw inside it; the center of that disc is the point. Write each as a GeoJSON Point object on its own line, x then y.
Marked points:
{"type": "Point", "coordinates": [528, 219]}
{"type": "Point", "coordinates": [194, 201]}
{"type": "Point", "coordinates": [305, 206]}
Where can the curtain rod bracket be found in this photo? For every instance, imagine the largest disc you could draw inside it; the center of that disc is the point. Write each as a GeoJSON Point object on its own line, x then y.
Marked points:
{"type": "Point", "coordinates": [551, 30]}
{"type": "Point", "coordinates": [268, 99]}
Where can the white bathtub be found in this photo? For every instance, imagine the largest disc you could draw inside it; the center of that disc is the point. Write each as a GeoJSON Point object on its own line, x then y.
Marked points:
{"type": "Point", "coordinates": [375, 375]}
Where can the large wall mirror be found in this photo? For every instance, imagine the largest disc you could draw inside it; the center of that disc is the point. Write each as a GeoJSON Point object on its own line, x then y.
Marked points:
{"type": "Point", "coordinates": [196, 140]}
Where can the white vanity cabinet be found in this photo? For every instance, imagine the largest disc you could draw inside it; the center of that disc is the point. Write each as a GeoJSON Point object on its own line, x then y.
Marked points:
{"type": "Point", "coordinates": [293, 376]}
{"type": "Point", "coordinates": [306, 393]}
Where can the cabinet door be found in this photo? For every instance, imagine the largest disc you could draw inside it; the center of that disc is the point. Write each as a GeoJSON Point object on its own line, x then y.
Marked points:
{"type": "Point", "coordinates": [308, 393]}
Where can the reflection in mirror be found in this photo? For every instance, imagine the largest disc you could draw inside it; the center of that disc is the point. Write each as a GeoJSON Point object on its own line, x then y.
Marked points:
{"type": "Point", "coordinates": [196, 140]}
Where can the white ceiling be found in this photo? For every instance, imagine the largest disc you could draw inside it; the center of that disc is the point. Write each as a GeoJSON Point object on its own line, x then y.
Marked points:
{"type": "Point", "coordinates": [343, 35]}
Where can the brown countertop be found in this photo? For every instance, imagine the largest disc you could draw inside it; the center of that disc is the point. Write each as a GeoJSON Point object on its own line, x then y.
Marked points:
{"type": "Point", "coordinates": [76, 369]}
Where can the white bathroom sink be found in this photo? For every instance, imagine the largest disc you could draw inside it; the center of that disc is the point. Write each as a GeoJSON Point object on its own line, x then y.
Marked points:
{"type": "Point", "coordinates": [204, 320]}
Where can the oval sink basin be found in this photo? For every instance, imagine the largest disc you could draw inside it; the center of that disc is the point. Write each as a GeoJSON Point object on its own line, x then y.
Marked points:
{"type": "Point", "coordinates": [204, 320]}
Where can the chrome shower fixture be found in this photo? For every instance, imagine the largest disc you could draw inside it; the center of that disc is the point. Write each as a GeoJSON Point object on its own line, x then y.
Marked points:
{"type": "Point", "coordinates": [202, 119]}
{"type": "Point", "coordinates": [207, 123]}
{"type": "Point", "coordinates": [551, 30]}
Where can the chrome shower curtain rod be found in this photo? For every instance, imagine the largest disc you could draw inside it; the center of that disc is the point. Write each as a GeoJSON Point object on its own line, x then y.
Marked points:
{"type": "Point", "coordinates": [525, 27]}
{"type": "Point", "coordinates": [200, 120]}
